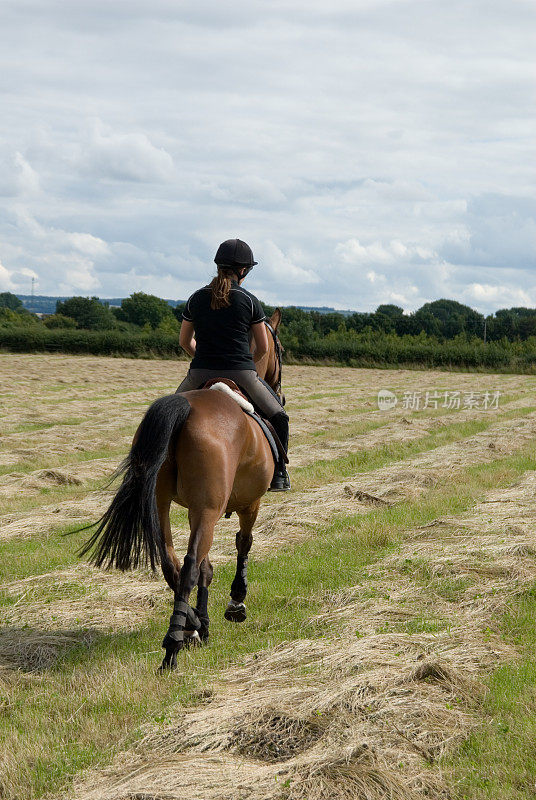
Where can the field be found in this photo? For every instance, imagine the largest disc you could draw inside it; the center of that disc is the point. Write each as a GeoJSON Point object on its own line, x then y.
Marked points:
{"type": "Point", "coordinates": [390, 647]}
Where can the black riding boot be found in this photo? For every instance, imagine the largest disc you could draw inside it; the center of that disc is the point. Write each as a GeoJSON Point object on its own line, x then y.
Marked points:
{"type": "Point", "coordinates": [281, 480]}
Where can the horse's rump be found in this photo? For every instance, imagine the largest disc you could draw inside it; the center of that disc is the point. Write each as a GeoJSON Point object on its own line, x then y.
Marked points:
{"type": "Point", "coordinates": [221, 454]}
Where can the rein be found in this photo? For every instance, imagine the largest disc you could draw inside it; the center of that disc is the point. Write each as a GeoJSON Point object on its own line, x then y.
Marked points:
{"type": "Point", "coordinates": [279, 357]}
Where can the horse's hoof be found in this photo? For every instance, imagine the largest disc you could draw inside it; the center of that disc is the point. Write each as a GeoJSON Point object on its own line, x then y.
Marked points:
{"type": "Point", "coordinates": [235, 612]}
{"type": "Point", "coordinates": [169, 664]}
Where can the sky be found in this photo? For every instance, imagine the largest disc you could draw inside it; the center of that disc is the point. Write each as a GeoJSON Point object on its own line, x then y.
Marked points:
{"type": "Point", "coordinates": [369, 151]}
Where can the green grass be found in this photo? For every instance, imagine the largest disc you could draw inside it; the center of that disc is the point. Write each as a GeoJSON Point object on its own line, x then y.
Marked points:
{"type": "Point", "coordinates": [93, 701]}
{"type": "Point", "coordinates": [58, 549]}
{"type": "Point", "coordinates": [498, 760]}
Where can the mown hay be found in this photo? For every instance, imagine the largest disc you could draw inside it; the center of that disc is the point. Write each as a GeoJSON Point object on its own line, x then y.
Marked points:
{"type": "Point", "coordinates": [275, 736]}
{"type": "Point", "coordinates": [356, 773]}
{"type": "Point", "coordinates": [35, 651]}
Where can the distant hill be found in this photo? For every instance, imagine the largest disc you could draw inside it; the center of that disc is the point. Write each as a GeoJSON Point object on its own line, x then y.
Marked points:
{"type": "Point", "coordinates": [327, 310]}
{"type": "Point", "coordinates": [43, 304]}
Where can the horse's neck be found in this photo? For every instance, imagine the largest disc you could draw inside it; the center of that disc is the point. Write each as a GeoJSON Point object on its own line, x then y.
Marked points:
{"type": "Point", "coordinates": [270, 371]}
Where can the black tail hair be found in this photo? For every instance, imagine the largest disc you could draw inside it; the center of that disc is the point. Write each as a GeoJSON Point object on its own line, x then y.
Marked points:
{"type": "Point", "coordinates": [128, 534]}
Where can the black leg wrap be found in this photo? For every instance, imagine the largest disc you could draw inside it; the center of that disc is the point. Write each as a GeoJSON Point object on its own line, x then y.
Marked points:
{"type": "Point", "coordinates": [239, 585]}
{"type": "Point", "coordinates": [202, 601]}
{"type": "Point", "coordinates": [174, 638]}
{"type": "Point", "coordinates": [192, 620]}
{"type": "Point", "coordinates": [202, 612]}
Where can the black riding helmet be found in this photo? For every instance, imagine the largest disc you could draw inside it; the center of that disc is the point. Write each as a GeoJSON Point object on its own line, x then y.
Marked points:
{"type": "Point", "coordinates": [235, 253]}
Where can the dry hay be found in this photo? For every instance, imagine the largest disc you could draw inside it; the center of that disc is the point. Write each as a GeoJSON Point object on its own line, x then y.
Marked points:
{"type": "Point", "coordinates": [366, 716]}
{"type": "Point", "coordinates": [80, 597]}
{"type": "Point", "coordinates": [34, 650]}
{"type": "Point", "coordinates": [304, 511]}
{"type": "Point", "coordinates": [48, 518]}
{"type": "Point", "coordinates": [272, 735]}
{"type": "Point", "coordinates": [20, 484]}
{"type": "Point", "coordinates": [114, 600]}
{"type": "Point", "coordinates": [396, 428]}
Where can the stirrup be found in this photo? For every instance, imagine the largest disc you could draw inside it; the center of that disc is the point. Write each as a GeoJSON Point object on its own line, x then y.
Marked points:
{"type": "Point", "coordinates": [280, 481]}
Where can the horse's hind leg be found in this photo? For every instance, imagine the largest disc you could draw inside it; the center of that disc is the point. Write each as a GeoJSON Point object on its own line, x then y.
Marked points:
{"type": "Point", "coordinates": [164, 492]}
{"type": "Point", "coordinates": [206, 572]}
{"type": "Point", "coordinates": [236, 609]}
{"type": "Point", "coordinates": [202, 532]}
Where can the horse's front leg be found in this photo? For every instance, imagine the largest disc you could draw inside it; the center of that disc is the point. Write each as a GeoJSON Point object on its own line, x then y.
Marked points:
{"type": "Point", "coordinates": [236, 609]}
{"type": "Point", "coordinates": [183, 617]}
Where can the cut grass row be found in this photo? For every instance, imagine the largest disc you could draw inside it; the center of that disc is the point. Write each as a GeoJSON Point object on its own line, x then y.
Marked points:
{"type": "Point", "coordinates": [498, 760]}
{"type": "Point", "coordinates": [321, 472]}
{"type": "Point", "coordinates": [307, 477]}
{"type": "Point", "coordinates": [99, 693]}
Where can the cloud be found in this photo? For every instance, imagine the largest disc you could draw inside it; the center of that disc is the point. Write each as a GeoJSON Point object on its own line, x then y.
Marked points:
{"type": "Point", "coordinates": [355, 138]}
{"type": "Point", "coordinates": [499, 296]}
{"type": "Point", "coordinates": [278, 267]}
{"type": "Point", "coordinates": [499, 231]}
{"type": "Point", "coordinates": [15, 281]}
{"type": "Point", "coordinates": [248, 190]}
{"type": "Point", "coordinates": [393, 252]}
{"type": "Point", "coordinates": [17, 177]}
{"type": "Point", "coordinates": [126, 157]}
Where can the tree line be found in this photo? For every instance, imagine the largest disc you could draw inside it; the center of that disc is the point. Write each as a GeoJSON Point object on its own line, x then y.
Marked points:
{"type": "Point", "coordinates": [440, 333]}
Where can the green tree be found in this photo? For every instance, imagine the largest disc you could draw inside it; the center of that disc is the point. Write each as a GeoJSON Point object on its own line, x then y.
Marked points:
{"type": "Point", "coordinates": [88, 312]}
{"type": "Point", "coordinates": [389, 310]}
{"type": "Point", "coordinates": [512, 323]}
{"type": "Point", "coordinates": [8, 300]}
{"type": "Point", "coordinates": [177, 311]}
{"type": "Point", "coordinates": [145, 309]}
{"type": "Point", "coordinates": [448, 318]}
{"type": "Point", "coordinates": [59, 321]}
{"type": "Point", "coordinates": [16, 319]}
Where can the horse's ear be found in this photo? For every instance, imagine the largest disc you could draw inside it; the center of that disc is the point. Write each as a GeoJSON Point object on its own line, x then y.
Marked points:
{"type": "Point", "coordinates": [275, 319]}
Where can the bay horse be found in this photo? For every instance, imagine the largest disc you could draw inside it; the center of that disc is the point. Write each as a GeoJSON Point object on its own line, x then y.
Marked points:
{"type": "Point", "coordinates": [200, 450]}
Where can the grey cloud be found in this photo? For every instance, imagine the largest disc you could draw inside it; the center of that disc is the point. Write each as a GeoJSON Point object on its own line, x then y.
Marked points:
{"type": "Point", "coordinates": [126, 156]}
{"type": "Point", "coordinates": [17, 176]}
{"type": "Point", "coordinates": [298, 126]}
{"type": "Point", "coordinates": [499, 231]}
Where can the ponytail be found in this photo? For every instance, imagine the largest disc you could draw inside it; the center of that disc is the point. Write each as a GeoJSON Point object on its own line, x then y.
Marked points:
{"type": "Point", "coordinates": [221, 287]}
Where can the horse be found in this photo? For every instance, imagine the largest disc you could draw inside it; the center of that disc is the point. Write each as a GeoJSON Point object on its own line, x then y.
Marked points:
{"type": "Point", "coordinates": [200, 450]}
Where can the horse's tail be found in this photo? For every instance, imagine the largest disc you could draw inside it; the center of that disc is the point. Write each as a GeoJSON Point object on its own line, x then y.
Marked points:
{"type": "Point", "coordinates": [129, 533]}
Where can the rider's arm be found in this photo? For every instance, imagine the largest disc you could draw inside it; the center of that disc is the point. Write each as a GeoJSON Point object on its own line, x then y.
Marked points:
{"type": "Point", "coordinates": [186, 337]}
{"type": "Point", "coordinates": [260, 340]}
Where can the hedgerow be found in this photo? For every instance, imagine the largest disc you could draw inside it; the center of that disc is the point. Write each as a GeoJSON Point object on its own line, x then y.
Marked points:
{"type": "Point", "coordinates": [369, 349]}
{"type": "Point", "coordinates": [106, 343]}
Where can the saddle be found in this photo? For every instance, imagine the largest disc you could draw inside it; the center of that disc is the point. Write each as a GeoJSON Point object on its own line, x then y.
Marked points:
{"type": "Point", "coordinates": [278, 451]}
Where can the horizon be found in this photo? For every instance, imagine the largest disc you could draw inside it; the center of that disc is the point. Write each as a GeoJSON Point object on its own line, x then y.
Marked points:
{"type": "Point", "coordinates": [327, 309]}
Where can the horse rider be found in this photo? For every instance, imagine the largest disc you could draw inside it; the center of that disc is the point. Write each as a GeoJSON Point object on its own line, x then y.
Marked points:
{"type": "Point", "coordinates": [216, 325]}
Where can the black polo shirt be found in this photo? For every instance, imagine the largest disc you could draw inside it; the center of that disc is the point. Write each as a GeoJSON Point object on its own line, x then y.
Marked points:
{"type": "Point", "coordinates": [222, 335]}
